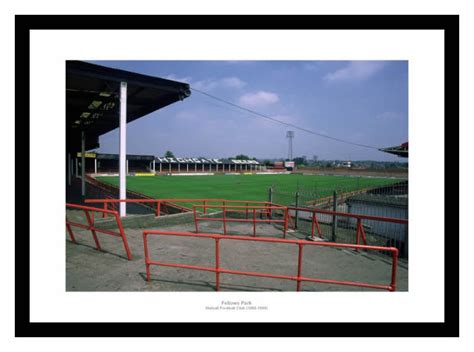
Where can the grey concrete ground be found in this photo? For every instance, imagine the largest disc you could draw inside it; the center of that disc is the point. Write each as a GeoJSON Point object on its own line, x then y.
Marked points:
{"type": "Point", "coordinates": [90, 270]}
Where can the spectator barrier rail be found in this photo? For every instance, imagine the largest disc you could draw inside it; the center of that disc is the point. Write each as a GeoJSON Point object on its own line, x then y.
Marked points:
{"type": "Point", "coordinates": [360, 234]}
{"type": "Point", "coordinates": [299, 278]}
{"type": "Point", "coordinates": [157, 203]}
{"type": "Point", "coordinates": [265, 210]}
{"type": "Point", "coordinates": [89, 211]}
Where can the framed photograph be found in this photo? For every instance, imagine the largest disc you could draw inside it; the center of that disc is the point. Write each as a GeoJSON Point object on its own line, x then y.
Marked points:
{"type": "Point", "coordinates": [248, 172]}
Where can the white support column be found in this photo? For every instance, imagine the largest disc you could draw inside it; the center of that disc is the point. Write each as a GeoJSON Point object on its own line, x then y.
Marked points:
{"type": "Point", "coordinates": [195, 167]}
{"type": "Point", "coordinates": [95, 165]}
{"type": "Point", "coordinates": [202, 167]}
{"type": "Point", "coordinates": [160, 167]}
{"type": "Point", "coordinates": [217, 167]}
{"type": "Point", "coordinates": [77, 168]}
{"type": "Point", "coordinates": [235, 167]}
{"type": "Point", "coordinates": [210, 167]}
{"type": "Point", "coordinates": [69, 171]}
{"type": "Point", "coordinates": [154, 166]}
{"type": "Point", "coordinates": [127, 167]}
{"type": "Point", "coordinates": [83, 164]}
{"type": "Point", "coordinates": [246, 167]}
{"type": "Point", "coordinates": [169, 164]}
{"type": "Point", "coordinates": [123, 164]}
{"type": "Point", "coordinates": [179, 167]}
{"type": "Point", "coordinates": [229, 167]}
{"type": "Point", "coordinates": [240, 167]}
{"type": "Point", "coordinates": [187, 167]}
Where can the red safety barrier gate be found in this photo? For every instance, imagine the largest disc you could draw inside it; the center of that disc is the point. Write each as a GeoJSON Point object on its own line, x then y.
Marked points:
{"type": "Point", "coordinates": [263, 210]}
{"type": "Point", "coordinates": [298, 277]}
{"type": "Point", "coordinates": [89, 211]}
{"type": "Point", "coordinates": [360, 228]}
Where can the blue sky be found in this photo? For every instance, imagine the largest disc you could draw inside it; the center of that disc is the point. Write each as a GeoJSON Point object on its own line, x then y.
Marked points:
{"type": "Point", "coordinates": [360, 101]}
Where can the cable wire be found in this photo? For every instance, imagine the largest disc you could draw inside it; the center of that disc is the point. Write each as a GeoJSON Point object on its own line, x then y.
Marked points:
{"type": "Point", "coordinates": [282, 122]}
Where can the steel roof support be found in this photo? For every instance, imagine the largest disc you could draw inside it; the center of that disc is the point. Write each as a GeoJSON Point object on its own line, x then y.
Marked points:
{"type": "Point", "coordinates": [83, 164]}
{"type": "Point", "coordinates": [123, 147]}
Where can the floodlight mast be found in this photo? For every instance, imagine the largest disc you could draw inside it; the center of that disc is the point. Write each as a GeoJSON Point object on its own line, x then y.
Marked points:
{"type": "Point", "coordinates": [290, 135]}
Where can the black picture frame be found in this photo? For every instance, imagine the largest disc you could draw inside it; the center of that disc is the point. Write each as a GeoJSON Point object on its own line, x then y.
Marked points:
{"type": "Point", "coordinates": [26, 23]}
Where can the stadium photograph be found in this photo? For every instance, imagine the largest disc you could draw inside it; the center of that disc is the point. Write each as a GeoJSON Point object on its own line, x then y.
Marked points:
{"type": "Point", "coordinates": [259, 176]}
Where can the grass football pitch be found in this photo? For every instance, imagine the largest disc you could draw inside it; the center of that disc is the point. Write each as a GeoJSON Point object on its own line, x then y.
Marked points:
{"type": "Point", "coordinates": [243, 187]}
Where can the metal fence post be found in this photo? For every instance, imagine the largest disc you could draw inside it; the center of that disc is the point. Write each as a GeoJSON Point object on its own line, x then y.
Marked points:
{"type": "Point", "coordinates": [270, 195]}
{"type": "Point", "coordinates": [297, 200]}
{"type": "Point", "coordinates": [334, 218]}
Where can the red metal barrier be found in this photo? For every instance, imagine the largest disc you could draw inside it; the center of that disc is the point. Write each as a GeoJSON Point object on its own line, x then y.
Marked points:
{"type": "Point", "coordinates": [264, 210]}
{"type": "Point", "coordinates": [171, 201]}
{"type": "Point", "coordinates": [89, 211]}
{"type": "Point", "coordinates": [298, 277]}
{"type": "Point", "coordinates": [360, 228]}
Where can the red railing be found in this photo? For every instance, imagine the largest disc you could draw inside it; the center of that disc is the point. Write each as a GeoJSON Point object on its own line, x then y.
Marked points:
{"type": "Point", "coordinates": [298, 277]}
{"type": "Point", "coordinates": [89, 211]}
{"type": "Point", "coordinates": [266, 210]}
{"type": "Point", "coordinates": [249, 206]}
{"type": "Point", "coordinates": [359, 226]}
{"type": "Point", "coordinates": [159, 202]}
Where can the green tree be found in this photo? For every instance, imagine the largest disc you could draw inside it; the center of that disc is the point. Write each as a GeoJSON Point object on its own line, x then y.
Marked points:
{"type": "Point", "coordinates": [242, 157]}
{"type": "Point", "coordinates": [300, 160]}
{"type": "Point", "coordinates": [169, 154]}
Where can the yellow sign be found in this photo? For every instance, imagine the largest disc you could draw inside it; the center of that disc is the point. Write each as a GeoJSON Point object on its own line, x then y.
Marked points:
{"type": "Point", "coordinates": [86, 155]}
{"type": "Point", "coordinates": [143, 174]}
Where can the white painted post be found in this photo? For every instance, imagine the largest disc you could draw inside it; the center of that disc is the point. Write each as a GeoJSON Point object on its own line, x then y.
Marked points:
{"type": "Point", "coordinates": [210, 167]}
{"type": "Point", "coordinates": [240, 167]}
{"type": "Point", "coordinates": [169, 167]}
{"type": "Point", "coordinates": [245, 167]}
{"type": "Point", "coordinates": [127, 167]}
{"type": "Point", "coordinates": [95, 165]}
{"type": "Point", "coordinates": [179, 167]}
{"type": "Point", "coordinates": [217, 167]}
{"type": "Point", "coordinates": [154, 166]}
{"type": "Point", "coordinates": [202, 167]}
{"type": "Point", "coordinates": [83, 164]}
{"type": "Point", "coordinates": [187, 167]}
{"type": "Point", "coordinates": [195, 167]}
{"type": "Point", "coordinates": [160, 167]}
{"type": "Point", "coordinates": [235, 167]}
{"type": "Point", "coordinates": [123, 163]}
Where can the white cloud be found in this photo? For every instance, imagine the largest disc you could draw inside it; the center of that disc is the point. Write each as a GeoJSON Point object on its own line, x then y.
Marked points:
{"type": "Point", "coordinates": [355, 70]}
{"type": "Point", "coordinates": [212, 84]}
{"type": "Point", "coordinates": [233, 82]}
{"type": "Point", "coordinates": [389, 115]}
{"type": "Point", "coordinates": [260, 98]}
{"type": "Point", "coordinates": [173, 77]}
